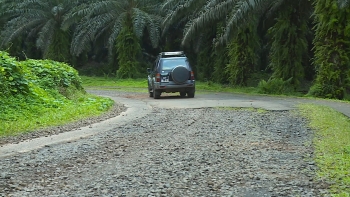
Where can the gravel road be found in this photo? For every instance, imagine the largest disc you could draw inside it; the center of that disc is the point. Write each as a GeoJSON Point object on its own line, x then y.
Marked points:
{"type": "Point", "coordinates": [176, 152]}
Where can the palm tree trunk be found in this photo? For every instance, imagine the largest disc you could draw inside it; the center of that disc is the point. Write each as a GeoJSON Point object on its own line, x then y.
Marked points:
{"type": "Point", "coordinates": [289, 42]}
{"type": "Point", "coordinates": [128, 48]}
{"type": "Point", "coordinates": [332, 50]}
{"type": "Point", "coordinates": [243, 56]}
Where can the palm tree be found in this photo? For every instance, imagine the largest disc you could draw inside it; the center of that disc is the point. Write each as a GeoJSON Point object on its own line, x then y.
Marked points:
{"type": "Point", "coordinates": [42, 20]}
{"type": "Point", "coordinates": [122, 20]}
{"type": "Point", "coordinates": [180, 12]}
{"type": "Point", "coordinates": [212, 13]}
{"type": "Point", "coordinates": [332, 48]}
{"type": "Point", "coordinates": [243, 58]}
{"type": "Point", "coordinates": [236, 13]}
{"type": "Point", "coordinates": [242, 14]}
{"type": "Point", "coordinates": [289, 47]}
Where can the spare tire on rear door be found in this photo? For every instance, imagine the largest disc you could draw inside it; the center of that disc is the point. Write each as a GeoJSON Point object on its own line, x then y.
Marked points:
{"type": "Point", "coordinates": [180, 74]}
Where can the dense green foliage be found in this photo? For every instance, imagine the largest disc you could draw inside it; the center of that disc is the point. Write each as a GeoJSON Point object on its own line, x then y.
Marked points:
{"type": "Point", "coordinates": [104, 24]}
{"type": "Point", "coordinates": [51, 74]}
{"type": "Point", "coordinates": [39, 23]}
{"type": "Point", "coordinates": [275, 86]}
{"type": "Point", "coordinates": [12, 80]}
{"type": "Point", "coordinates": [128, 49]}
{"type": "Point", "coordinates": [38, 93]}
{"type": "Point", "coordinates": [229, 41]}
{"type": "Point", "coordinates": [242, 56]}
{"type": "Point", "coordinates": [221, 59]}
{"type": "Point", "coordinates": [289, 43]}
{"type": "Point", "coordinates": [332, 50]}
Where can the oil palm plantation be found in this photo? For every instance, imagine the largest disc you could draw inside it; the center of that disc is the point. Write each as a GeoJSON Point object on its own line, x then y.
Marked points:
{"type": "Point", "coordinates": [212, 13]}
{"type": "Point", "coordinates": [121, 24]}
{"type": "Point", "coordinates": [241, 16]}
{"type": "Point", "coordinates": [39, 20]}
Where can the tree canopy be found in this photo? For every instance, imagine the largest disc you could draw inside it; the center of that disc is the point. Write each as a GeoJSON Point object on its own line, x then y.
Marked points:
{"type": "Point", "coordinates": [284, 43]}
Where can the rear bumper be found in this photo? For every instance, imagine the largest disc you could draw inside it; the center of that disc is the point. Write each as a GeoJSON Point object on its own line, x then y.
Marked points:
{"type": "Point", "coordinates": [172, 87]}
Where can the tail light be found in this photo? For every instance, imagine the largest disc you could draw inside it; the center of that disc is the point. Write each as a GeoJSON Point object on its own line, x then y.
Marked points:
{"type": "Point", "coordinates": [157, 77]}
{"type": "Point", "coordinates": [192, 75]}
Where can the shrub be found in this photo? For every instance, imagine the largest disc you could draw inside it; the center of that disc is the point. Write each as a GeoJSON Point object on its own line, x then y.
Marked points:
{"type": "Point", "coordinates": [44, 83]}
{"type": "Point", "coordinates": [275, 86]}
{"type": "Point", "coordinates": [12, 80]}
{"type": "Point", "coordinates": [326, 91]}
{"type": "Point", "coordinates": [50, 74]}
{"type": "Point", "coordinates": [39, 93]}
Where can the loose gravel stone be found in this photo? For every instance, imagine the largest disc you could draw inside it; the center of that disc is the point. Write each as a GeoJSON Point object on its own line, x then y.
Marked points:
{"type": "Point", "coordinates": [176, 152]}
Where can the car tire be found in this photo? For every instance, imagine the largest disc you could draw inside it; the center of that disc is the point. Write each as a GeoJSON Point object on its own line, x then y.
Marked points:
{"type": "Point", "coordinates": [190, 94]}
{"type": "Point", "coordinates": [182, 94]}
{"type": "Point", "coordinates": [156, 94]}
{"type": "Point", "coordinates": [149, 91]}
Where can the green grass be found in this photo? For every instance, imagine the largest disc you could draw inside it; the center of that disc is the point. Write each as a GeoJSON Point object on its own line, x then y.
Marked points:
{"type": "Point", "coordinates": [33, 116]}
{"type": "Point", "coordinates": [332, 146]}
{"type": "Point", "coordinates": [109, 83]}
{"type": "Point", "coordinates": [113, 83]}
{"type": "Point", "coordinates": [140, 85]}
{"type": "Point", "coordinates": [215, 87]}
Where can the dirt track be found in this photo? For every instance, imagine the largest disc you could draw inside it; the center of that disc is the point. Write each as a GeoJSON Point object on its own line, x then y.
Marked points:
{"type": "Point", "coordinates": [174, 147]}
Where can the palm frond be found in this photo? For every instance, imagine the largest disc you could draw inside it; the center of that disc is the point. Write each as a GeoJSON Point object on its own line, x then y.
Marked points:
{"type": "Point", "coordinates": [74, 15]}
{"type": "Point", "coordinates": [179, 11]}
{"type": "Point", "coordinates": [101, 7]}
{"type": "Point", "coordinates": [36, 18]}
{"type": "Point", "coordinates": [236, 13]}
{"type": "Point", "coordinates": [87, 30]}
{"type": "Point", "coordinates": [343, 4]}
{"type": "Point", "coordinates": [45, 35]}
{"type": "Point", "coordinates": [245, 12]}
{"type": "Point", "coordinates": [170, 4]}
{"type": "Point", "coordinates": [274, 6]}
{"type": "Point", "coordinates": [211, 15]}
{"type": "Point", "coordinates": [31, 3]}
{"type": "Point", "coordinates": [139, 21]}
{"type": "Point", "coordinates": [150, 6]}
{"type": "Point", "coordinates": [151, 23]}
{"type": "Point", "coordinates": [118, 25]}
{"type": "Point", "coordinates": [15, 27]}
{"type": "Point", "coordinates": [154, 30]}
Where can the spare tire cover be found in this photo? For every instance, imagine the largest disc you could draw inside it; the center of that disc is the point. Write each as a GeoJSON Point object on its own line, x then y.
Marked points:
{"type": "Point", "coordinates": [180, 74]}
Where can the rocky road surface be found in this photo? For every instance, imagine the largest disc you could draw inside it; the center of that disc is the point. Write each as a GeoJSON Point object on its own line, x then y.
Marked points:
{"type": "Point", "coordinates": [174, 151]}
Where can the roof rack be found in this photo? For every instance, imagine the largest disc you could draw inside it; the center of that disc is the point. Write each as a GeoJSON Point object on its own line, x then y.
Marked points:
{"type": "Point", "coordinates": [174, 54]}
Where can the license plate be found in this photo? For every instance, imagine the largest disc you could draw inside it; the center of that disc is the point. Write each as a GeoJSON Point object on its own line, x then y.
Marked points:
{"type": "Point", "coordinates": [165, 79]}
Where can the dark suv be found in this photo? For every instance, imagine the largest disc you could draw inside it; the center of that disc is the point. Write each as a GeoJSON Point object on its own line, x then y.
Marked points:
{"type": "Point", "coordinates": [171, 73]}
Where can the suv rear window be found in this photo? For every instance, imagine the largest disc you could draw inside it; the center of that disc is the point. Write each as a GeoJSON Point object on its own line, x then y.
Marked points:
{"type": "Point", "coordinates": [171, 63]}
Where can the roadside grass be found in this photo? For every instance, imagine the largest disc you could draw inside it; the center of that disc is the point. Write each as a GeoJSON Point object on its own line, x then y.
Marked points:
{"type": "Point", "coordinates": [332, 146]}
{"type": "Point", "coordinates": [109, 82]}
{"type": "Point", "coordinates": [140, 85]}
{"type": "Point", "coordinates": [33, 116]}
